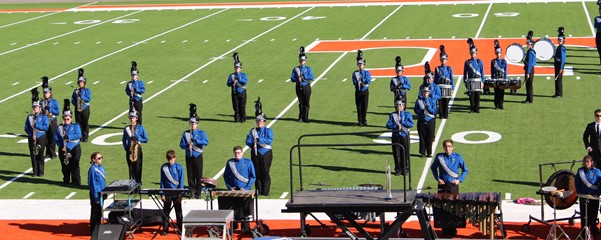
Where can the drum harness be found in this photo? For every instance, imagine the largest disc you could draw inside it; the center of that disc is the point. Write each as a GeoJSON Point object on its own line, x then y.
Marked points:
{"type": "Point", "coordinates": [446, 79]}
{"type": "Point", "coordinates": [473, 69]}
{"type": "Point", "coordinates": [500, 71]}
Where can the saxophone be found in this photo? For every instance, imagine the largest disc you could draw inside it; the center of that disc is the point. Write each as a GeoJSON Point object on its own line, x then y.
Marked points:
{"type": "Point", "coordinates": [65, 140]}
{"type": "Point", "coordinates": [79, 101]}
{"type": "Point", "coordinates": [36, 147]}
{"type": "Point", "coordinates": [134, 145]}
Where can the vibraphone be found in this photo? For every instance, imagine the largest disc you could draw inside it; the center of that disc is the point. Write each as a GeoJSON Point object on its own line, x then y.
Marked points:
{"type": "Point", "coordinates": [482, 209]}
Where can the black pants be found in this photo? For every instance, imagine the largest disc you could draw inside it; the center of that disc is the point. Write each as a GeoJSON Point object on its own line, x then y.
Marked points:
{"type": "Point", "coordinates": [444, 107]}
{"type": "Point", "coordinates": [239, 105]}
{"type": "Point", "coordinates": [50, 145]}
{"type": "Point", "coordinates": [596, 154]}
{"type": "Point", "coordinates": [598, 44]}
{"type": "Point", "coordinates": [448, 188]}
{"type": "Point", "coordinates": [303, 93]}
{"type": "Point", "coordinates": [591, 213]}
{"type": "Point", "coordinates": [361, 101]}
{"type": "Point", "coordinates": [401, 157]}
{"type": "Point", "coordinates": [177, 204]}
{"type": "Point", "coordinates": [474, 101]}
{"type": "Point", "coordinates": [95, 214]}
{"type": "Point", "coordinates": [71, 171]}
{"type": "Point", "coordinates": [529, 88]}
{"type": "Point", "coordinates": [138, 105]}
{"type": "Point", "coordinates": [135, 168]}
{"type": "Point", "coordinates": [262, 165]}
{"type": "Point", "coordinates": [37, 161]}
{"type": "Point", "coordinates": [558, 80]}
{"type": "Point", "coordinates": [426, 135]}
{"type": "Point", "coordinates": [499, 97]}
{"type": "Point", "coordinates": [83, 118]}
{"type": "Point", "coordinates": [194, 172]}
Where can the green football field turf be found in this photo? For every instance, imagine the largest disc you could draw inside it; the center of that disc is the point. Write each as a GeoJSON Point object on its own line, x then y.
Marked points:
{"type": "Point", "coordinates": [184, 56]}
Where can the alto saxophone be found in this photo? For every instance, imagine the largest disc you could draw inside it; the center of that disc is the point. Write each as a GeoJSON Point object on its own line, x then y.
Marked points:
{"type": "Point", "coordinates": [65, 140]}
{"type": "Point", "coordinates": [79, 101]}
{"type": "Point", "coordinates": [36, 147]}
{"type": "Point", "coordinates": [134, 146]}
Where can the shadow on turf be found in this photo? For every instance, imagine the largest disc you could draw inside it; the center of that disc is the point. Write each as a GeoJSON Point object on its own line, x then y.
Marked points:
{"type": "Point", "coordinates": [10, 154]}
{"type": "Point", "coordinates": [534, 184]}
{"type": "Point", "coordinates": [339, 168]}
{"type": "Point", "coordinates": [312, 120]}
{"type": "Point", "coordinates": [75, 229]}
{"type": "Point", "coordinates": [108, 127]}
{"type": "Point", "coordinates": [7, 175]}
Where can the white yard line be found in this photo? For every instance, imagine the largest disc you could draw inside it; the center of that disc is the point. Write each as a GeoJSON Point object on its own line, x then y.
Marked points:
{"type": "Point", "coordinates": [68, 33]}
{"type": "Point", "coordinates": [426, 170]}
{"type": "Point", "coordinates": [38, 17]}
{"type": "Point", "coordinates": [70, 195]}
{"type": "Point", "coordinates": [483, 20]}
{"type": "Point", "coordinates": [284, 195]}
{"type": "Point", "coordinates": [588, 18]}
{"type": "Point", "coordinates": [28, 195]}
{"type": "Point", "coordinates": [20, 175]}
{"type": "Point", "coordinates": [113, 53]}
{"type": "Point", "coordinates": [220, 173]}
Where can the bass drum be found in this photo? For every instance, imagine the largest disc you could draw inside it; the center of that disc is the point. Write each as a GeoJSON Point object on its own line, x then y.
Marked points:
{"type": "Point", "coordinates": [515, 53]}
{"type": "Point", "coordinates": [566, 180]}
{"type": "Point", "coordinates": [544, 48]}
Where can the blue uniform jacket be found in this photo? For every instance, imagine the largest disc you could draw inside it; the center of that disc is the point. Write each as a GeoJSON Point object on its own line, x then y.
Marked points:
{"type": "Point", "coordinates": [265, 136]}
{"type": "Point", "coordinates": [96, 181]}
{"type": "Point", "coordinates": [530, 61]}
{"type": "Point", "coordinates": [306, 72]}
{"type": "Point", "coordinates": [435, 91]}
{"type": "Point", "coordinates": [454, 162]}
{"type": "Point", "coordinates": [560, 56]}
{"type": "Point", "coordinates": [139, 87]}
{"type": "Point", "coordinates": [430, 104]}
{"type": "Point", "coordinates": [593, 176]}
{"type": "Point", "coordinates": [41, 124]}
{"type": "Point", "coordinates": [468, 72]}
{"type": "Point", "coordinates": [51, 105]}
{"type": "Point", "coordinates": [443, 72]}
{"type": "Point", "coordinates": [242, 81]}
{"type": "Point", "coordinates": [73, 135]}
{"type": "Point", "coordinates": [243, 178]}
{"type": "Point", "coordinates": [598, 24]}
{"type": "Point", "coordinates": [199, 141]}
{"type": "Point", "coordinates": [399, 85]}
{"type": "Point", "coordinates": [406, 120]}
{"type": "Point", "coordinates": [86, 97]}
{"type": "Point", "coordinates": [175, 178]}
{"type": "Point", "coordinates": [365, 80]}
{"type": "Point", "coordinates": [139, 132]}
{"type": "Point", "coordinates": [501, 64]}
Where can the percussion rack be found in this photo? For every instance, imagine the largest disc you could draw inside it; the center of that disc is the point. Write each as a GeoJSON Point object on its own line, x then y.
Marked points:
{"type": "Point", "coordinates": [548, 222]}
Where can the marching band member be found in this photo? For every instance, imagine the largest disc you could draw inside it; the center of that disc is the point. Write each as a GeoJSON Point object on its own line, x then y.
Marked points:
{"type": "Point", "coordinates": [172, 177]}
{"type": "Point", "coordinates": [259, 140]}
{"type": "Point", "coordinates": [598, 33]}
{"type": "Point", "coordinates": [237, 82]}
{"type": "Point", "coordinates": [68, 137]}
{"type": "Point", "coordinates": [443, 74]}
{"type": "Point", "coordinates": [302, 75]}
{"type": "Point", "coordinates": [400, 120]}
{"type": "Point", "coordinates": [592, 138]}
{"type": "Point", "coordinates": [50, 108]}
{"type": "Point", "coordinates": [80, 99]}
{"type": "Point", "coordinates": [559, 63]}
{"type": "Point", "coordinates": [445, 168]}
{"type": "Point", "coordinates": [498, 70]}
{"type": "Point", "coordinates": [36, 125]}
{"type": "Point", "coordinates": [400, 84]}
{"type": "Point", "coordinates": [133, 135]}
{"type": "Point", "coordinates": [194, 142]}
{"type": "Point", "coordinates": [96, 183]}
{"type": "Point", "coordinates": [425, 108]}
{"type": "Point", "coordinates": [587, 179]}
{"type": "Point", "coordinates": [473, 69]}
{"type": "Point", "coordinates": [239, 175]}
{"type": "Point", "coordinates": [529, 63]}
{"type": "Point", "coordinates": [134, 90]}
{"type": "Point", "coordinates": [361, 80]}
{"type": "Point", "coordinates": [435, 91]}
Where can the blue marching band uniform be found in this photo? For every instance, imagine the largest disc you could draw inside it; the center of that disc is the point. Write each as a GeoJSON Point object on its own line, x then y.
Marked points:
{"type": "Point", "coordinates": [172, 177]}
{"type": "Point", "coordinates": [36, 125]}
{"type": "Point", "coordinates": [50, 108]}
{"type": "Point", "coordinates": [588, 181]}
{"type": "Point", "coordinates": [194, 142]}
{"type": "Point", "coordinates": [68, 137]}
{"type": "Point", "coordinates": [80, 99]}
{"type": "Point", "coordinates": [445, 167]}
{"type": "Point", "coordinates": [237, 82]}
{"type": "Point", "coordinates": [361, 80]}
{"type": "Point", "coordinates": [597, 24]}
{"type": "Point", "coordinates": [425, 108]}
{"type": "Point", "coordinates": [239, 175]}
{"type": "Point", "coordinates": [302, 75]}
{"type": "Point", "coordinates": [401, 121]}
{"type": "Point", "coordinates": [559, 62]}
{"type": "Point", "coordinates": [473, 69]}
{"type": "Point", "coordinates": [498, 70]}
{"type": "Point", "coordinates": [399, 85]}
{"type": "Point", "coordinates": [529, 63]}
{"type": "Point", "coordinates": [443, 75]}
{"type": "Point", "coordinates": [259, 140]}
{"type": "Point", "coordinates": [134, 90]}
{"type": "Point", "coordinates": [133, 135]}
{"type": "Point", "coordinates": [96, 183]}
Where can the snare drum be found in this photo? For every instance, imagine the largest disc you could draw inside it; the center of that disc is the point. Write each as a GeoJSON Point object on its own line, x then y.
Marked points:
{"type": "Point", "coordinates": [544, 49]}
{"type": "Point", "coordinates": [515, 53]}
{"type": "Point", "coordinates": [515, 83]}
{"type": "Point", "coordinates": [489, 83]}
{"type": "Point", "coordinates": [446, 90]}
{"type": "Point", "coordinates": [474, 85]}
{"type": "Point", "coordinates": [502, 83]}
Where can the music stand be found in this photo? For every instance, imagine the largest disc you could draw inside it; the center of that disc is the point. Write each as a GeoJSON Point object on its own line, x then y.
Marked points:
{"type": "Point", "coordinates": [556, 228]}
{"type": "Point", "coordinates": [585, 233]}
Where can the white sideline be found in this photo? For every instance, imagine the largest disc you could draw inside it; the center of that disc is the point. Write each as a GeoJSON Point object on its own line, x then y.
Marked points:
{"type": "Point", "coordinates": [588, 18]}
{"type": "Point", "coordinates": [483, 20]}
{"type": "Point", "coordinates": [68, 33]}
{"type": "Point", "coordinates": [220, 173]}
{"type": "Point", "coordinates": [113, 53]}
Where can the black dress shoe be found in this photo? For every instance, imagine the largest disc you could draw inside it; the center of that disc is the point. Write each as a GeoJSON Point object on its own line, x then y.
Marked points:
{"type": "Point", "coordinates": [526, 102]}
{"type": "Point", "coordinates": [421, 155]}
{"type": "Point", "coordinates": [163, 233]}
